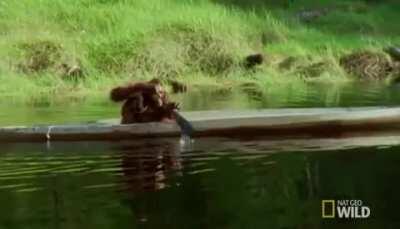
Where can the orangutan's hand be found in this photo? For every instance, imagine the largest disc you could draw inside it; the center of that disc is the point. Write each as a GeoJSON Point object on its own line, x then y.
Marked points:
{"type": "Point", "coordinates": [173, 106]}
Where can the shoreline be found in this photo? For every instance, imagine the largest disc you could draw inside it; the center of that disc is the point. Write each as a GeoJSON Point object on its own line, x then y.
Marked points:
{"type": "Point", "coordinates": [72, 51]}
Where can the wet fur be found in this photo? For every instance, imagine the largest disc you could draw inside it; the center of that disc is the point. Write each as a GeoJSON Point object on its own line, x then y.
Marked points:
{"type": "Point", "coordinates": [142, 103]}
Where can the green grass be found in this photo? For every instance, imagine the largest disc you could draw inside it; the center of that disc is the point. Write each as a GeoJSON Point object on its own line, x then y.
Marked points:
{"type": "Point", "coordinates": [197, 41]}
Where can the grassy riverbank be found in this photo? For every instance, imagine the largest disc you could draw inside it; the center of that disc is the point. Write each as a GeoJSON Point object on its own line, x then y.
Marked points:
{"type": "Point", "coordinates": [76, 48]}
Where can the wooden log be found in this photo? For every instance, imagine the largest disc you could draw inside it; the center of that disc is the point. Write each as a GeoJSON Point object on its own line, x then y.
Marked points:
{"type": "Point", "coordinates": [269, 122]}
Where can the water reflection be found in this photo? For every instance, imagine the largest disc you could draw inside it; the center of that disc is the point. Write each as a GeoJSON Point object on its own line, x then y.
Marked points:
{"type": "Point", "coordinates": [215, 183]}
{"type": "Point", "coordinates": [146, 166]}
{"type": "Point", "coordinates": [249, 96]}
{"type": "Point", "coordinates": [218, 183]}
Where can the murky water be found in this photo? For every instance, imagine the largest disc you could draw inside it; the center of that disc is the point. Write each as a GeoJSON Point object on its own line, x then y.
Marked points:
{"type": "Point", "coordinates": [318, 95]}
{"type": "Point", "coordinates": [212, 183]}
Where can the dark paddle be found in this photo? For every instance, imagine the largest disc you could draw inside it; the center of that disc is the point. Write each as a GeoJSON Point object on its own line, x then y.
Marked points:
{"type": "Point", "coordinates": [186, 128]}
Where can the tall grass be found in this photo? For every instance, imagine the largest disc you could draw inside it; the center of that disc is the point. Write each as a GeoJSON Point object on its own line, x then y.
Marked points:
{"type": "Point", "coordinates": [114, 41]}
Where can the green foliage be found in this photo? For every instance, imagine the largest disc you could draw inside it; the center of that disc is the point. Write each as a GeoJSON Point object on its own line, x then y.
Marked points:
{"type": "Point", "coordinates": [119, 40]}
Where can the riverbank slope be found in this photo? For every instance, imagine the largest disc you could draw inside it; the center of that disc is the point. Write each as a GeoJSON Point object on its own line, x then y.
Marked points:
{"type": "Point", "coordinates": [77, 48]}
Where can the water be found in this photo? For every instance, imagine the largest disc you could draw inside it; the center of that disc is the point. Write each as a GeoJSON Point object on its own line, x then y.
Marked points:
{"type": "Point", "coordinates": [296, 95]}
{"type": "Point", "coordinates": [213, 183]}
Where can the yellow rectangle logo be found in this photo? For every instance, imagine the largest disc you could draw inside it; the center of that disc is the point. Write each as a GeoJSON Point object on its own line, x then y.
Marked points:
{"type": "Point", "coordinates": [328, 209]}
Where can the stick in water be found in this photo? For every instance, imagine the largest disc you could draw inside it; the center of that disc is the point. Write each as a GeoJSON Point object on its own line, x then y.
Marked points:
{"type": "Point", "coordinates": [186, 127]}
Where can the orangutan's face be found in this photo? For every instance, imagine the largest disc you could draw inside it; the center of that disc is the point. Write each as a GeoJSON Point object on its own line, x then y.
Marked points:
{"type": "Point", "coordinates": [159, 95]}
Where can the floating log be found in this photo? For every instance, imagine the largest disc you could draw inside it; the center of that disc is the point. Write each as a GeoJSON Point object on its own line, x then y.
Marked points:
{"type": "Point", "coordinates": [309, 122]}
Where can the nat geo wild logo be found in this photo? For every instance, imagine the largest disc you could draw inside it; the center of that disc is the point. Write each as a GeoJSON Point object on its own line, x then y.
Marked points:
{"type": "Point", "coordinates": [345, 209]}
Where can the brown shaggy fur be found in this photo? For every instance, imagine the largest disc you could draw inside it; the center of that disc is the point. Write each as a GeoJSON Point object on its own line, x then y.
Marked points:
{"type": "Point", "coordinates": [144, 102]}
